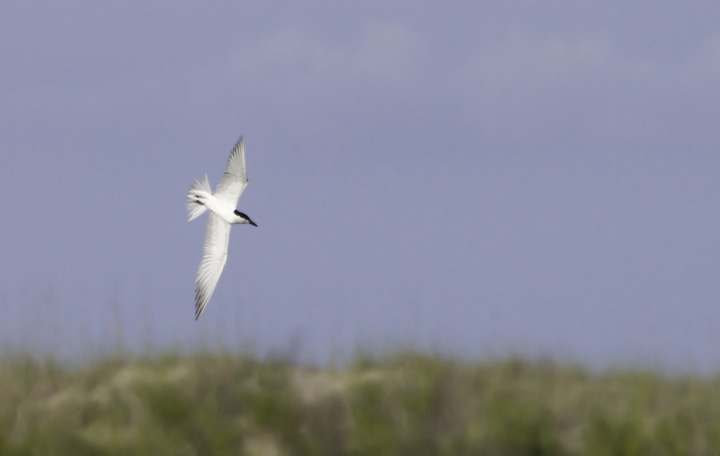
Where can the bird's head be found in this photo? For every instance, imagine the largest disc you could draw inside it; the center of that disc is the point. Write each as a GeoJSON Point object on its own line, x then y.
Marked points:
{"type": "Point", "coordinates": [242, 218]}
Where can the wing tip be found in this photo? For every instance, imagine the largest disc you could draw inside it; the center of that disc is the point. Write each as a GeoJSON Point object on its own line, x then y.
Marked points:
{"type": "Point", "coordinates": [199, 307]}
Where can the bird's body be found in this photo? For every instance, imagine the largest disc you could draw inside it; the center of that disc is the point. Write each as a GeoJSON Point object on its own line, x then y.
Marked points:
{"type": "Point", "coordinates": [222, 215]}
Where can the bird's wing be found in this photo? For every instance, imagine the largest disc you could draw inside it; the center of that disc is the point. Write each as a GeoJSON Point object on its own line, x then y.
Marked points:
{"type": "Point", "coordinates": [217, 236]}
{"type": "Point", "coordinates": [234, 181]}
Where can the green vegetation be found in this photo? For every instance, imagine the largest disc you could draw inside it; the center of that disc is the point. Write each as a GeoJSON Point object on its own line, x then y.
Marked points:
{"type": "Point", "coordinates": [407, 404]}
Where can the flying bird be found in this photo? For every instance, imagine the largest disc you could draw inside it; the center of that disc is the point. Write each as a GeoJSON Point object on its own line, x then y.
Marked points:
{"type": "Point", "coordinates": [223, 214]}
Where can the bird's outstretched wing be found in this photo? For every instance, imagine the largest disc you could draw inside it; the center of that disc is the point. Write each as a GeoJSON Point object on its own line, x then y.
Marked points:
{"type": "Point", "coordinates": [217, 236]}
{"type": "Point", "coordinates": [234, 181]}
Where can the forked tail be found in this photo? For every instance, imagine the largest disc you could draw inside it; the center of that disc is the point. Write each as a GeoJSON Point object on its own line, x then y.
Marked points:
{"type": "Point", "coordinates": [196, 198]}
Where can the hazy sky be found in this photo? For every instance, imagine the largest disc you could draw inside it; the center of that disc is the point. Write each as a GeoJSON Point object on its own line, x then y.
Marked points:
{"type": "Point", "coordinates": [468, 177]}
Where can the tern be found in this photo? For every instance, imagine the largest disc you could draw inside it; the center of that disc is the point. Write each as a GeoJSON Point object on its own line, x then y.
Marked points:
{"type": "Point", "coordinates": [223, 214]}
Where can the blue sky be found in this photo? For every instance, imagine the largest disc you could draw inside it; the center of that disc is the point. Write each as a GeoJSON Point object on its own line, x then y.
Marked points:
{"type": "Point", "coordinates": [475, 178]}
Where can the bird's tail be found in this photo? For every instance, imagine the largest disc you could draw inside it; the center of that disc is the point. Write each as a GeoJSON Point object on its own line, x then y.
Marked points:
{"type": "Point", "coordinates": [196, 198]}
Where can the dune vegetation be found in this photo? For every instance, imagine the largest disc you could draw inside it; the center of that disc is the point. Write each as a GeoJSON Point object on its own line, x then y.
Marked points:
{"type": "Point", "coordinates": [405, 404]}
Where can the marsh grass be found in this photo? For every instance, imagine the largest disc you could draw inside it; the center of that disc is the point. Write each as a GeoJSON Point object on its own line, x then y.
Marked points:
{"type": "Point", "coordinates": [216, 404]}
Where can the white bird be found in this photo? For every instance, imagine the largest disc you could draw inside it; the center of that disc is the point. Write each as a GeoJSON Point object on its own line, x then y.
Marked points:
{"type": "Point", "coordinates": [222, 214]}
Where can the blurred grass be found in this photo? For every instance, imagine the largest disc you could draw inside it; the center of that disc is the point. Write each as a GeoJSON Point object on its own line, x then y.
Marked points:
{"type": "Point", "coordinates": [406, 404]}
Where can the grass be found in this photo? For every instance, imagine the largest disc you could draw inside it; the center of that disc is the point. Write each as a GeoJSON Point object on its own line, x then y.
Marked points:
{"type": "Point", "coordinates": [217, 404]}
